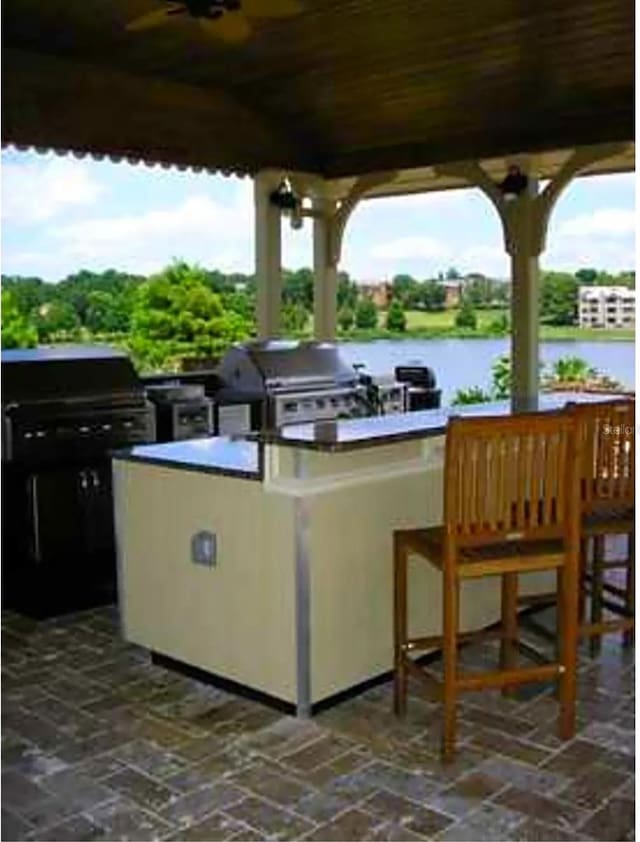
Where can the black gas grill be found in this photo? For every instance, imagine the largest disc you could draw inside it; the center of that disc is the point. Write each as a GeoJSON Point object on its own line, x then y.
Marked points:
{"type": "Point", "coordinates": [63, 410]}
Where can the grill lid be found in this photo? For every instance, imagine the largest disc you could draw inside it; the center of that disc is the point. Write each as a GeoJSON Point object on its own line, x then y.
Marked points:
{"type": "Point", "coordinates": [279, 364]}
{"type": "Point", "coordinates": [68, 373]}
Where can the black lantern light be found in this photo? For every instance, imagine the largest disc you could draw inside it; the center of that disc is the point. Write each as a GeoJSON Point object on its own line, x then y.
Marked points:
{"type": "Point", "coordinates": [284, 198]}
{"type": "Point", "coordinates": [514, 183]}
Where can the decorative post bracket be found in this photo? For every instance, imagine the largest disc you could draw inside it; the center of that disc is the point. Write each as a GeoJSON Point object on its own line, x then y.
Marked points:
{"type": "Point", "coordinates": [529, 233]}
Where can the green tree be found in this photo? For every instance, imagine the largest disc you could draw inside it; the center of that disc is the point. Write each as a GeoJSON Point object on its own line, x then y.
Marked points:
{"type": "Point", "coordinates": [16, 330]}
{"type": "Point", "coordinates": [56, 319]}
{"type": "Point", "coordinates": [347, 292]}
{"type": "Point", "coordinates": [297, 288]}
{"type": "Point", "coordinates": [107, 313]}
{"type": "Point", "coordinates": [407, 290]}
{"type": "Point", "coordinates": [345, 318]}
{"type": "Point", "coordinates": [28, 293]}
{"type": "Point", "coordinates": [452, 274]}
{"type": "Point", "coordinates": [466, 316]}
{"type": "Point", "coordinates": [559, 298]}
{"type": "Point", "coordinates": [295, 317]}
{"type": "Point", "coordinates": [433, 296]}
{"type": "Point", "coordinates": [396, 318]}
{"type": "Point", "coordinates": [586, 277]}
{"type": "Point", "coordinates": [176, 315]}
{"type": "Point", "coordinates": [366, 314]}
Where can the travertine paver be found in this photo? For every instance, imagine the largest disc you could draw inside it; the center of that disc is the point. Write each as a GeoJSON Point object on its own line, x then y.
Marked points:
{"type": "Point", "coordinates": [98, 743]}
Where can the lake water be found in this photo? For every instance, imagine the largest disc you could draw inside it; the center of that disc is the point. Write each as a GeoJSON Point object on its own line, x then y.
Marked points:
{"type": "Point", "coordinates": [461, 363]}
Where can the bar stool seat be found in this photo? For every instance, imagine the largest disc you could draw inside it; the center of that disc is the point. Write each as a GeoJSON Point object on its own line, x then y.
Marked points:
{"type": "Point", "coordinates": [610, 520]}
{"type": "Point", "coordinates": [484, 559]}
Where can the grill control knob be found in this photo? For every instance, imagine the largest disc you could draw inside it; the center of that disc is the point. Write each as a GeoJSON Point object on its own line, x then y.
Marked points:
{"type": "Point", "coordinates": [84, 429]}
{"type": "Point", "coordinates": [106, 426]}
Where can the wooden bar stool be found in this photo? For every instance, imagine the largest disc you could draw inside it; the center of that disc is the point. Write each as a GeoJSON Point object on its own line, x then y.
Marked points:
{"type": "Point", "coordinates": [510, 507]}
{"type": "Point", "coordinates": [606, 440]}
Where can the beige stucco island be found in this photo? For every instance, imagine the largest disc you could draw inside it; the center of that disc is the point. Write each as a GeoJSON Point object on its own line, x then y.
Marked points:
{"type": "Point", "coordinates": [267, 562]}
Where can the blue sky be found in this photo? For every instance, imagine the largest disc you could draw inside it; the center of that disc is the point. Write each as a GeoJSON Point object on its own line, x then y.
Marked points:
{"type": "Point", "coordinates": [61, 214]}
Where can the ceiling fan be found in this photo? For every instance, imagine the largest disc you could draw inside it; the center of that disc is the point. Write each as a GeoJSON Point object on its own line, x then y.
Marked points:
{"type": "Point", "coordinates": [229, 20]}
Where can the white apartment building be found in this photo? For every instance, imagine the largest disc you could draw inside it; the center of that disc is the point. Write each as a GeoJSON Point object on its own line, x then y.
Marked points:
{"type": "Point", "coordinates": [607, 307]}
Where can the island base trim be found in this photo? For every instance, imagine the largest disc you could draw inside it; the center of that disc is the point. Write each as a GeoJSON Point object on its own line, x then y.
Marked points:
{"type": "Point", "coordinates": [222, 683]}
{"type": "Point", "coordinates": [302, 609]}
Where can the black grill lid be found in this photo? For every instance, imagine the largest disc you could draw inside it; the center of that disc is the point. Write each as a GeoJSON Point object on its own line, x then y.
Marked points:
{"type": "Point", "coordinates": [67, 373]}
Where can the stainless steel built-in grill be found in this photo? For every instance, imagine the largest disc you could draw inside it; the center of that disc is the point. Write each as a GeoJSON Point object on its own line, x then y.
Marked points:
{"type": "Point", "coordinates": [64, 409]}
{"type": "Point", "coordinates": [296, 381]}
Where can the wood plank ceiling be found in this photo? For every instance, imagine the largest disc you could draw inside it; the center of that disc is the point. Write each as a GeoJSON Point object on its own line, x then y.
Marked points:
{"type": "Point", "coordinates": [346, 87]}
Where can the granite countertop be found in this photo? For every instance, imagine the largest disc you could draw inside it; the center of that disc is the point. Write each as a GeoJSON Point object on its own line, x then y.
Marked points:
{"type": "Point", "coordinates": [229, 456]}
{"type": "Point", "coordinates": [242, 456]}
{"type": "Point", "coordinates": [356, 433]}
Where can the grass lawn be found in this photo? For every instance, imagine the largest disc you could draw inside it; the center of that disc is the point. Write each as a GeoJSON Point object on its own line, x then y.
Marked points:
{"type": "Point", "coordinates": [421, 320]}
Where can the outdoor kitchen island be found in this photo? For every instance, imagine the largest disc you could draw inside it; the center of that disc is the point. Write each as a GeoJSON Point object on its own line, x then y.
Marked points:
{"type": "Point", "coordinates": [268, 561]}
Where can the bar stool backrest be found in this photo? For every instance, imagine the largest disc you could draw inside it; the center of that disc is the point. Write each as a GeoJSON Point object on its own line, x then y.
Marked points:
{"type": "Point", "coordinates": [606, 440]}
{"type": "Point", "coordinates": [510, 479]}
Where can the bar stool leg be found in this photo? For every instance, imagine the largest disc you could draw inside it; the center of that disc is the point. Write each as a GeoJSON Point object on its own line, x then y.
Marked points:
{"type": "Point", "coordinates": [628, 638]}
{"type": "Point", "coordinates": [450, 599]}
{"type": "Point", "coordinates": [597, 582]}
{"type": "Point", "coordinates": [568, 647]}
{"type": "Point", "coordinates": [399, 625]}
{"type": "Point", "coordinates": [509, 641]}
{"type": "Point", "coordinates": [582, 604]}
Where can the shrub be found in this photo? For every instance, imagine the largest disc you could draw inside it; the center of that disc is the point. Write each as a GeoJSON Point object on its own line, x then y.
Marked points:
{"type": "Point", "coordinates": [345, 318]}
{"type": "Point", "coordinates": [500, 325]}
{"type": "Point", "coordinates": [366, 314]}
{"type": "Point", "coordinates": [466, 316]}
{"type": "Point", "coordinates": [473, 394]}
{"type": "Point", "coordinates": [396, 318]}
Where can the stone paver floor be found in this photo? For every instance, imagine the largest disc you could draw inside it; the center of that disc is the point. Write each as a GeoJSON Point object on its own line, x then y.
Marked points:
{"type": "Point", "coordinates": [98, 743]}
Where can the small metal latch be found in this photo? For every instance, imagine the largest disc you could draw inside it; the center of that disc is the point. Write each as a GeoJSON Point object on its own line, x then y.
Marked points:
{"type": "Point", "coordinates": [204, 548]}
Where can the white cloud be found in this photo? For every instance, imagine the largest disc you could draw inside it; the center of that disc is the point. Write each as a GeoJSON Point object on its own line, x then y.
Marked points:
{"type": "Point", "coordinates": [490, 260]}
{"type": "Point", "coordinates": [569, 253]}
{"type": "Point", "coordinates": [198, 229]}
{"type": "Point", "coordinates": [607, 222]}
{"type": "Point", "coordinates": [410, 248]}
{"type": "Point", "coordinates": [36, 190]}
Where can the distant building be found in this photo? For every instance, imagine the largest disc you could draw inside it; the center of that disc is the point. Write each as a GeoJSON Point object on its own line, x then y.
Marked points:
{"type": "Point", "coordinates": [378, 291]}
{"type": "Point", "coordinates": [452, 294]}
{"type": "Point", "coordinates": [607, 307]}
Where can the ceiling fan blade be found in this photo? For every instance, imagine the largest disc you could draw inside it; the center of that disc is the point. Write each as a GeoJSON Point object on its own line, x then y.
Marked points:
{"type": "Point", "coordinates": [271, 8]}
{"type": "Point", "coordinates": [148, 21]}
{"type": "Point", "coordinates": [231, 27]}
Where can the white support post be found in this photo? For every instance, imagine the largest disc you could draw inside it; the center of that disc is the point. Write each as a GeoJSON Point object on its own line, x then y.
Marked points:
{"type": "Point", "coordinates": [268, 255]}
{"type": "Point", "coordinates": [330, 218]}
{"type": "Point", "coordinates": [325, 270]}
{"type": "Point", "coordinates": [525, 370]}
{"type": "Point", "coordinates": [525, 220]}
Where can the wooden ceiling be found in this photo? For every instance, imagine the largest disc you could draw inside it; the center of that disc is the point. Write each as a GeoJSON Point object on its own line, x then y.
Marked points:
{"type": "Point", "coordinates": [344, 88]}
